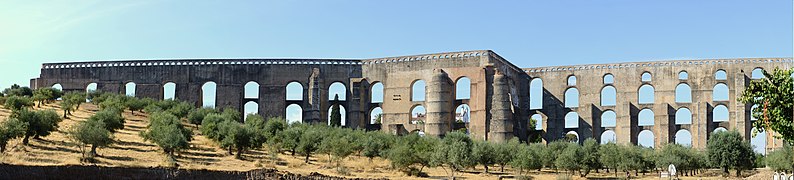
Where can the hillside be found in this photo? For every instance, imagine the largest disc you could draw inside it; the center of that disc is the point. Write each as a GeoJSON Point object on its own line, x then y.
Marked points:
{"type": "Point", "coordinates": [130, 150]}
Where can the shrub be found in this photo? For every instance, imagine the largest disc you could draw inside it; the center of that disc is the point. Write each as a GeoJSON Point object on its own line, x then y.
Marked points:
{"type": "Point", "coordinates": [781, 159]}
{"type": "Point", "coordinates": [455, 151]}
{"type": "Point", "coordinates": [590, 156]}
{"type": "Point", "coordinates": [483, 153]}
{"type": "Point", "coordinates": [411, 150]}
{"type": "Point", "coordinates": [10, 129]}
{"type": "Point", "coordinates": [16, 103]}
{"type": "Point", "coordinates": [111, 118]}
{"type": "Point", "coordinates": [196, 116]}
{"type": "Point", "coordinates": [376, 144]}
{"type": "Point", "coordinates": [166, 131]}
{"type": "Point", "coordinates": [527, 157]}
{"type": "Point", "coordinates": [290, 138]}
{"type": "Point", "coordinates": [570, 158]}
{"type": "Point", "coordinates": [210, 126]}
{"type": "Point", "coordinates": [505, 152]}
{"type": "Point", "coordinates": [310, 142]}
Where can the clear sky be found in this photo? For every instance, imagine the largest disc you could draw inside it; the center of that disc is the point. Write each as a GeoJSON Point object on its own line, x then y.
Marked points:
{"type": "Point", "coordinates": [528, 33]}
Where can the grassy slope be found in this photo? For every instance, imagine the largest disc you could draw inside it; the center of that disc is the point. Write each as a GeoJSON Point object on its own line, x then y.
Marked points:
{"type": "Point", "coordinates": [131, 150]}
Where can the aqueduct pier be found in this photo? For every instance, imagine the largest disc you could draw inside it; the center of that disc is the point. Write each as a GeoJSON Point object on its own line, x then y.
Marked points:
{"type": "Point", "coordinates": [622, 102]}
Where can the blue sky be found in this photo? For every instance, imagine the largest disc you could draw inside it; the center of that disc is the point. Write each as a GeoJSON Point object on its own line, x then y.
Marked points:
{"type": "Point", "coordinates": [528, 33]}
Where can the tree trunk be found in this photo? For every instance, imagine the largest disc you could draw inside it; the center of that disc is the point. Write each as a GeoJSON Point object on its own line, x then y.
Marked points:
{"type": "Point", "coordinates": [239, 153]}
{"type": "Point", "coordinates": [725, 170]}
{"type": "Point", "coordinates": [93, 150]}
{"type": "Point", "coordinates": [486, 169]}
{"type": "Point", "coordinates": [502, 168]}
{"type": "Point", "coordinates": [293, 152]}
{"type": "Point", "coordinates": [230, 150]}
{"type": "Point", "coordinates": [64, 114]}
{"type": "Point", "coordinates": [26, 140]}
{"type": "Point", "coordinates": [307, 157]}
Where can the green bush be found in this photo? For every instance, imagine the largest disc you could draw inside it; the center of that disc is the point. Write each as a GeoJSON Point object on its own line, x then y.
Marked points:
{"type": "Point", "coordinates": [196, 116]}
{"type": "Point", "coordinates": [39, 123]}
{"type": "Point", "coordinates": [91, 132]}
{"type": "Point", "coordinates": [10, 129]}
{"type": "Point", "coordinates": [483, 153]}
{"type": "Point", "coordinates": [781, 159]}
{"type": "Point", "coordinates": [527, 158]}
{"type": "Point", "coordinates": [166, 131]}
{"type": "Point", "coordinates": [111, 118]}
{"type": "Point", "coordinates": [16, 103]}
{"type": "Point", "coordinates": [729, 150]}
{"type": "Point", "coordinates": [454, 151]}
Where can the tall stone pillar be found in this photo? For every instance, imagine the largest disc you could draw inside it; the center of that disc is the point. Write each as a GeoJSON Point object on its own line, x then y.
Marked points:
{"type": "Point", "coordinates": [312, 113]}
{"type": "Point", "coordinates": [501, 115]}
{"type": "Point", "coordinates": [439, 104]}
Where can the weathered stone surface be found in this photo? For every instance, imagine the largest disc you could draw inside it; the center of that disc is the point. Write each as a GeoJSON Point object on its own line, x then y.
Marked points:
{"type": "Point", "coordinates": [499, 99]}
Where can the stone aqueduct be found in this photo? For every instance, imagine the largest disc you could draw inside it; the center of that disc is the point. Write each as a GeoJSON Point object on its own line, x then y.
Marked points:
{"type": "Point", "coordinates": [621, 100]}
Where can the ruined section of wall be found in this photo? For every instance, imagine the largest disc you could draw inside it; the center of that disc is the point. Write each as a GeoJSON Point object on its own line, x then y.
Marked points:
{"type": "Point", "coordinates": [664, 80]}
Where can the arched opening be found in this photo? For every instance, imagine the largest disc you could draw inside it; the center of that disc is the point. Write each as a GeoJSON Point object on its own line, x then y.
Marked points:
{"type": "Point", "coordinates": [646, 77]}
{"type": "Point", "coordinates": [58, 87]}
{"type": "Point", "coordinates": [169, 91]}
{"type": "Point", "coordinates": [572, 136]}
{"type": "Point", "coordinates": [342, 111]}
{"type": "Point", "coordinates": [720, 113]}
{"type": "Point", "coordinates": [683, 93]}
{"type": "Point", "coordinates": [536, 94]}
{"type": "Point", "coordinates": [645, 139]}
{"type": "Point", "coordinates": [463, 88]}
{"type": "Point", "coordinates": [572, 80]}
{"type": "Point", "coordinates": [757, 73]}
{"type": "Point", "coordinates": [208, 94]}
{"type": "Point", "coordinates": [572, 120]}
{"type": "Point", "coordinates": [752, 112]}
{"type": "Point", "coordinates": [646, 94]}
{"type": "Point", "coordinates": [376, 116]}
{"type": "Point", "coordinates": [609, 119]}
{"type": "Point", "coordinates": [463, 113]}
{"type": "Point", "coordinates": [418, 90]}
{"type": "Point", "coordinates": [91, 88]}
{"type": "Point", "coordinates": [418, 114]}
{"type": "Point", "coordinates": [683, 116]}
{"type": "Point", "coordinates": [608, 96]}
{"type": "Point", "coordinates": [683, 75]}
{"type": "Point", "coordinates": [683, 137]}
{"type": "Point", "coordinates": [376, 96]}
{"type": "Point", "coordinates": [335, 89]}
{"type": "Point", "coordinates": [538, 119]}
{"type": "Point", "coordinates": [251, 90]}
{"type": "Point", "coordinates": [609, 79]}
{"type": "Point", "coordinates": [758, 141]}
{"type": "Point", "coordinates": [294, 114]}
{"type": "Point", "coordinates": [129, 89]}
{"type": "Point", "coordinates": [294, 91]}
{"type": "Point", "coordinates": [608, 136]}
{"type": "Point", "coordinates": [645, 118]}
{"type": "Point", "coordinates": [720, 129]}
{"type": "Point", "coordinates": [250, 108]}
{"type": "Point", "coordinates": [721, 75]}
{"type": "Point", "coordinates": [720, 92]}
{"type": "Point", "coordinates": [572, 98]}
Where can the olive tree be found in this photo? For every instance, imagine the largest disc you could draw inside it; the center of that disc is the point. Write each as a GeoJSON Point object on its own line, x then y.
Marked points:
{"type": "Point", "coordinates": [310, 142]}
{"type": "Point", "coordinates": [454, 151]}
{"type": "Point", "coordinates": [528, 158]}
{"type": "Point", "coordinates": [39, 123]}
{"type": "Point", "coordinates": [728, 150]}
{"type": "Point", "coordinates": [10, 129]}
{"type": "Point", "coordinates": [570, 158]}
{"type": "Point", "coordinates": [166, 131]}
{"type": "Point", "coordinates": [16, 103]}
{"type": "Point", "coordinates": [590, 156]}
{"type": "Point", "coordinates": [780, 159]}
{"type": "Point", "coordinates": [483, 153]}
{"type": "Point", "coordinates": [196, 116]}
{"type": "Point", "coordinates": [91, 132]}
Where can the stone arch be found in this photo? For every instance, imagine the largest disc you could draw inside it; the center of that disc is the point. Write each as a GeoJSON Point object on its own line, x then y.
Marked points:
{"type": "Point", "coordinates": [342, 111]}
{"type": "Point", "coordinates": [608, 136]}
{"type": "Point", "coordinates": [720, 75]}
{"type": "Point", "coordinates": [572, 120]}
{"type": "Point", "coordinates": [572, 80]}
{"type": "Point", "coordinates": [758, 141]}
{"type": "Point", "coordinates": [609, 78]}
{"type": "Point", "coordinates": [720, 129]}
{"type": "Point", "coordinates": [608, 96]}
{"type": "Point", "coordinates": [720, 114]}
{"type": "Point", "coordinates": [683, 137]}
{"type": "Point", "coordinates": [294, 113]}
{"type": "Point", "coordinates": [538, 121]}
{"type": "Point", "coordinates": [646, 94]}
{"type": "Point", "coordinates": [91, 87]}
{"type": "Point", "coordinates": [683, 116]}
{"type": "Point", "coordinates": [169, 90]}
{"type": "Point", "coordinates": [646, 139]}
{"type": "Point", "coordinates": [757, 73]}
{"type": "Point", "coordinates": [646, 117]}
{"type": "Point", "coordinates": [418, 114]}
{"type": "Point", "coordinates": [683, 75]}
{"type": "Point", "coordinates": [463, 113]}
{"type": "Point", "coordinates": [251, 90]}
{"type": "Point", "coordinates": [536, 94]}
{"type": "Point", "coordinates": [250, 107]}
{"type": "Point", "coordinates": [337, 88]}
{"type": "Point", "coordinates": [209, 94]}
{"type": "Point", "coordinates": [572, 98]}
{"type": "Point", "coordinates": [374, 115]}
{"type": "Point", "coordinates": [573, 134]}
{"type": "Point", "coordinates": [683, 93]}
{"type": "Point", "coordinates": [57, 86]}
{"type": "Point", "coordinates": [720, 92]}
{"type": "Point", "coordinates": [418, 90]}
{"type": "Point", "coordinates": [294, 91]}
{"type": "Point", "coordinates": [609, 119]}
{"type": "Point", "coordinates": [130, 88]}
{"type": "Point", "coordinates": [463, 88]}
{"type": "Point", "coordinates": [646, 77]}
{"type": "Point", "coordinates": [376, 92]}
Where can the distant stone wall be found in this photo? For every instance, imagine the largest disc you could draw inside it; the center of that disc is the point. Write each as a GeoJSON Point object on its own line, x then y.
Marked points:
{"type": "Point", "coordinates": [96, 172]}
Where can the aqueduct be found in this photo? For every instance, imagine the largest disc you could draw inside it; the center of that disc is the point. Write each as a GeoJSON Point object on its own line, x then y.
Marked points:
{"type": "Point", "coordinates": [479, 91]}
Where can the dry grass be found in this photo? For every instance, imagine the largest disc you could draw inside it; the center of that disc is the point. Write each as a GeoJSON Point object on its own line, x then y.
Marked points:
{"type": "Point", "coordinates": [130, 150]}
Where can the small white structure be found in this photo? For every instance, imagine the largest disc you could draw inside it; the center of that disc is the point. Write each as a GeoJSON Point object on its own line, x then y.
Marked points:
{"type": "Point", "coordinates": [671, 169]}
